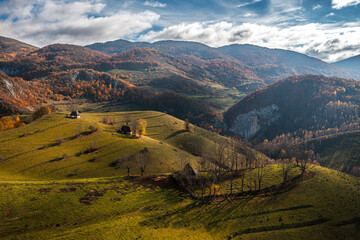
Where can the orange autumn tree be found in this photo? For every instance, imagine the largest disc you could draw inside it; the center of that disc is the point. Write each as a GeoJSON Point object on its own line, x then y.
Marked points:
{"type": "Point", "coordinates": [8, 122]}
{"type": "Point", "coordinates": [41, 112]}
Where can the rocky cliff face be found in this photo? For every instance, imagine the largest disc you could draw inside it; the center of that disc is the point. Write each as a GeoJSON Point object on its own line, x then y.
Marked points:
{"type": "Point", "coordinates": [248, 124]}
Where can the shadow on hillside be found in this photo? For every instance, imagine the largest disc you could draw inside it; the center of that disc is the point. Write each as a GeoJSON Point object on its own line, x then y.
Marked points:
{"type": "Point", "coordinates": [152, 181]}
{"type": "Point", "coordinates": [175, 133]}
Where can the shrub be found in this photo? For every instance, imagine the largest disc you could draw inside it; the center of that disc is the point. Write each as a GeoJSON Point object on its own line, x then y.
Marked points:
{"type": "Point", "coordinates": [93, 128]}
{"type": "Point", "coordinates": [59, 141]}
{"type": "Point", "coordinates": [8, 122]}
{"type": "Point", "coordinates": [41, 112]}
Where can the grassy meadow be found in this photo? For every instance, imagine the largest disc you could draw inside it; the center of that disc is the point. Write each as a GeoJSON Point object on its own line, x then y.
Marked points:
{"type": "Point", "coordinates": [323, 206]}
{"type": "Point", "coordinates": [50, 149]}
{"type": "Point", "coordinates": [53, 189]}
{"type": "Point", "coordinates": [339, 151]}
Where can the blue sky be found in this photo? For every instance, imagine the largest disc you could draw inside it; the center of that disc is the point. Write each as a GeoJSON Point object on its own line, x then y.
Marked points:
{"type": "Point", "coordinates": [326, 29]}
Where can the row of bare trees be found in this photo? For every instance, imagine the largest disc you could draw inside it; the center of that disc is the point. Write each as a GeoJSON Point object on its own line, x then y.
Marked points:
{"type": "Point", "coordinates": [232, 160]}
{"type": "Point", "coordinates": [228, 160]}
{"type": "Point", "coordinates": [138, 161]}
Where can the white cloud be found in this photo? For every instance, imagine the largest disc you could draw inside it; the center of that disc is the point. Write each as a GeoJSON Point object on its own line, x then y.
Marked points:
{"type": "Point", "coordinates": [248, 15]}
{"type": "Point", "coordinates": [318, 6]}
{"type": "Point", "coordinates": [329, 42]}
{"type": "Point", "coordinates": [330, 14]}
{"type": "Point", "coordinates": [247, 3]}
{"type": "Point", "coordinates": [52, 10]}
{"type": "Point", "coordinates": [338, 4]}
{"type": "Point", "coordinates": [154, 4]}
{"type": "Point", "coordinates": [79, 22]}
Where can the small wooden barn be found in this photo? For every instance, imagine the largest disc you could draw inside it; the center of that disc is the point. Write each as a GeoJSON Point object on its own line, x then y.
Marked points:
{"type": "Point", "coordinates": [75, 114]}
{"type": "Point", "coordinates": [125, 129]}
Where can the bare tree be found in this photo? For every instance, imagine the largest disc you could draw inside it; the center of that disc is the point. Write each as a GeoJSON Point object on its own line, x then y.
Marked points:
{"type": "Point", "coordinates": [187, 125]}
{"type": "Point", "coordinates": [128, 163]}
{"type": "Point", "coordinates": [127, 119]}
{"type": "Point", "coordinates": [232, 161]}
{"type": "Point", "coordinates": [242, 177]}
{"type": "Point", "coordinates": [250, 155]}
{"type": "Point", "coordinates": [143, 159]}
{"type": "Point", "coordinates": [286, 167]}
{"type": "Point", "coordinates": [309, 156]}
{"type": "Point", "coordinates": [220, 158]}
{"type": "Point", "coordinates": [260, 166]}
{"type": "Point", "coordinates": [252, 179]}
{"type": "Point", "coordinates": [203, 184]}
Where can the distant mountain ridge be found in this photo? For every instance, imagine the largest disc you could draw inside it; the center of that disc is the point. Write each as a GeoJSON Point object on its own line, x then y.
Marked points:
{"type": "Point", "coordinates": [275, 64]}
{"type": "Point", "coordinates": [217, 76]}
{"type": "Point", "coordinates": [352, 63]}
{"type": "Point", "coordinates": [267, 64]}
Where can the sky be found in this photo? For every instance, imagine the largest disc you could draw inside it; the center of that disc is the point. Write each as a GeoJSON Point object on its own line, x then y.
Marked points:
{"type": "Point", "coordinates": [325, 29]}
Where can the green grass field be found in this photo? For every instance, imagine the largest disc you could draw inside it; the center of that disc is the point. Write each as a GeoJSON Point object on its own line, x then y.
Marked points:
{"type": "Point", "coordinates": [79, 198]}
{"type": "Point", "coordinates": [340, 151]}
{"type": "Point", "coordinates": [323, 206]}
{"type": "Point", "coordinates": [31, 152]}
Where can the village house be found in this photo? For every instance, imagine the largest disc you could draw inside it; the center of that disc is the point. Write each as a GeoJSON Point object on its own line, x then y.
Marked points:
{"type": "Point", "coordinates": [75, 114]}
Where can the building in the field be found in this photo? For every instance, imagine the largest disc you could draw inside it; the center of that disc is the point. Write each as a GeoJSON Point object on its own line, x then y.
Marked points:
{"type": "Point", "coordinates": [75, 114]}
{"type": "Point", "coordinates": [125, 130]}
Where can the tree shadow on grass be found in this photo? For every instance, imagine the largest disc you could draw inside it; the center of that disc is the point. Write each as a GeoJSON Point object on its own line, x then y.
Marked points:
{"type": "Point", "coordinates": [175, 133]}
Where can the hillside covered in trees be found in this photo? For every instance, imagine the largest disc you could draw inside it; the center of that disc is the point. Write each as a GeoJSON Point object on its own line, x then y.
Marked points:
{"type": "Point", "coordinates": [11, 49]}
{"type": "Point", "coordinates": [301, 103]}
{"type": "Point", "coordinates": [248, 63]}
{"type": "Point", "coordinates": [217, 77]}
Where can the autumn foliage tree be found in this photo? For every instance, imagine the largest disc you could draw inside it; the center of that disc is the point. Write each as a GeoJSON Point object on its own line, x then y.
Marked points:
{"type": "Point", "coordinates": [142, 126]}
{"type": "Point", "coordinates": [42, 111]}
{"type": "Point", "coordinates": [8, 122]}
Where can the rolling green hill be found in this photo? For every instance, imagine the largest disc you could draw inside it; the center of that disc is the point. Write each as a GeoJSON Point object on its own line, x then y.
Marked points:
{"type": "Point", "coordinates": [325, 205]}
{"type": "Point", "coordinates": [339, 151]}
{"type": "Point", "coordinates": [45, 194]}
{"type": "Point", "coordinates": [50, 149]}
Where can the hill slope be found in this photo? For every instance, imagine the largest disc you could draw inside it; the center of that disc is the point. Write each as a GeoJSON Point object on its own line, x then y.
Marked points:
{"type": "Point", "coordinates": [52, 58]}
{"type": "Point", "coordinates": [252, 62]}
{"type": "Point", "coordinates": [11, 48]}
{"type": "Point", "coordinates": [352, 63]}
{"type": "Point", "coordinates": [340, 152]}
{"type": "Point", "coordinates": [325, 205]}
{"type": "Point", "coordinates": [49, 148]}
{"type": "Point", "coordinates": [17, 95]}
{"type": "Point", "coordinates": [301, 102]}
{"type": "Point", "coordinates": [275, 64]}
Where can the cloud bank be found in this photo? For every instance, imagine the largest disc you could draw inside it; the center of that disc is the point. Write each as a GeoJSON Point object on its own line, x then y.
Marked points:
{"type": "Point", "coordinates": [80, 22]}
{"type": "Point", "coordinates": [329, 42]}
{"type": "Point", "coordinates": [338, 4]}
{"type": "Point", "coordinates": [328, 32]}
